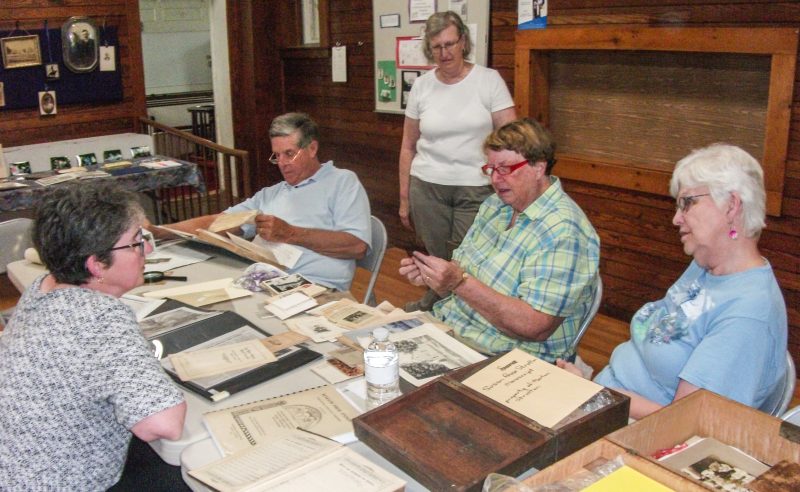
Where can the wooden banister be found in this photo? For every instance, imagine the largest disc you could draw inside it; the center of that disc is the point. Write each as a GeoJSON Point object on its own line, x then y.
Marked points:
{"type": "Point", "coordinates": [225, 172]}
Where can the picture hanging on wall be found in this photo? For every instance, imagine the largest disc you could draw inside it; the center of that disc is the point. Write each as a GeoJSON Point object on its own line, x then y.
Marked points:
{"type": "Point", "coordinates": [80, 46]}
{"type": "Point", "coordinates": [47, 103]}
{"type": "Point", "coordinates": [2, 95]}
{"type": "Point", "coordinates": [52, 72]}
{"type": "Point", "coordinates": [21, 51]}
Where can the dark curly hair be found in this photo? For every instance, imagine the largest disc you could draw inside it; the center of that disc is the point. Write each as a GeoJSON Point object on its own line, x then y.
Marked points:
{"type": "Point", "coordinates": [75, 221]}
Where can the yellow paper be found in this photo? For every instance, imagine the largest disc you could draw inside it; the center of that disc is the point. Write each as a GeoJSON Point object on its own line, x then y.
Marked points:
{"type": "Point", "coordinates": [535, 388]}
{"type": "Point", "coordinates": [232, 220]}
{"type": "Point", "coordinates": [626, 478]}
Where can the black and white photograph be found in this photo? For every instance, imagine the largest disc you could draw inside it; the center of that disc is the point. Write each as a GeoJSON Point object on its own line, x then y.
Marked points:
{"type": "Point", "coordinates": [285, 284]}
{"type": "Point", "coordinates": [47, 103]}
{"type": "Point", "coordinates": [79, 39]}
{"type": "Point", "coordinates": [142, 151]}
{"type": "Point", "coordinates": [21, 51]}
{"type": "Point", "coordinates": [719, 475]}
{"type": "Point", "coordinates": [408, 78]}
{"type": "Point", "coordinates": [161, 323]}
{"type": "Point", "coordinates": [52, 71]}
{"type": "Point", "coordinates": [426, 352]}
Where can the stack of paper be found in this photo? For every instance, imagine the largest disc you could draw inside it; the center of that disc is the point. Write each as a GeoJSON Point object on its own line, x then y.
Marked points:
{"type": "Point", "coordinates": [295, 303]}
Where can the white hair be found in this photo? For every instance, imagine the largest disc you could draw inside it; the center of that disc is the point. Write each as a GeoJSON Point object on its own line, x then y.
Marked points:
{"type": "Point", "coordinates": [725, 169]}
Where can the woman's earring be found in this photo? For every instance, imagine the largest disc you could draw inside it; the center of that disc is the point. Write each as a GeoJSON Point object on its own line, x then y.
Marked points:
{"type": "Point", "coordinates": [733, 234]}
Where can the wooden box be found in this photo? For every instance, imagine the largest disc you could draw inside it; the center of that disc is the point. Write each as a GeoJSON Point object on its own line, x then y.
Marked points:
{"type": "Point", "coordinates": [702, 413]}
{"type": "Point", "coordinates": [449, 437]}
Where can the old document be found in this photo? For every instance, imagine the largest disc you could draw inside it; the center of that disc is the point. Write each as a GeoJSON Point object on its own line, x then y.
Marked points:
{"type": "Point", "coordinates": [536, 389]}
{"type": "Point", "coordinates": [219, 360]}
{"type": "Point", "coordinates": [232, 220]}
{"type": "Point", "coordinates": [319, 410]}
{"type": "Point", "coordinates": [297, 461]}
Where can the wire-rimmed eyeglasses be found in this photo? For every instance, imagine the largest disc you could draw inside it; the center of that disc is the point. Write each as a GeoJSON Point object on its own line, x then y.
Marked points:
{"type": "Point", "coordinates": [684, 203]}
{"type": "Point", "coordinates": [448, 46]}
{"type": "Point", "coordinates": [138, 244]}
{"type": "Point", "coordinates": [289, 154]}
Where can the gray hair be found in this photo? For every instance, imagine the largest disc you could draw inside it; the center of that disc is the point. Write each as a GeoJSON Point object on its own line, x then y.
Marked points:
{"type": "Point", "coordinates": [73, 222]}
{"type": "Point", "coordinates": [289, 123]}
{"type": "Point", "coordinates": [725, 169]}
{"type": "Point", "coordinates": [440, 21]}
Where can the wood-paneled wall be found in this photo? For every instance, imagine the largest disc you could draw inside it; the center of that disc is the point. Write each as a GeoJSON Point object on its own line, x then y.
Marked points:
{"type": "Point", "coordinates": [641, 254]}
{"type": "Point", "coordinates": [20, 127]}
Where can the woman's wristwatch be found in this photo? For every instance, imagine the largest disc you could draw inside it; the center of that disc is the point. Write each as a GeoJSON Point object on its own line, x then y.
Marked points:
{"type": "Point", "coordinates": [464, 277]}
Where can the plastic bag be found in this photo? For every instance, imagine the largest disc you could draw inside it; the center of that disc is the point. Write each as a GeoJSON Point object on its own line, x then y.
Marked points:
{"type": "Point", "coordinates": [255, 274]}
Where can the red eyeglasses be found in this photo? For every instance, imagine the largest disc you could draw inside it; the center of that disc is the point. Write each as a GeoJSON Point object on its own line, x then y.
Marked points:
{"type": "Point", "coordinates": [502, 170]}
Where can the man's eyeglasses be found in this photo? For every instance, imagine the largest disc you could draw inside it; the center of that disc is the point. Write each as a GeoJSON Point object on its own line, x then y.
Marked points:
{"type": "Point", "coordinates": [684, 203]}
{"type": "Point", "coordinates": [289, 154]}
{"type": "Point", "coordinates": [139, 244]}
{"type": "Point", "coordinates": [502, 170]}
{"type": "Point", "coordinates": [448, 46]}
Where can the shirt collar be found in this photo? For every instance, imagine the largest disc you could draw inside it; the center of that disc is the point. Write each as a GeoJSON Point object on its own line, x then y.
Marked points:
{"type": "Point", "coordinates": [324, 169]}
{"type": "Point", "coordinates": [546, 200]}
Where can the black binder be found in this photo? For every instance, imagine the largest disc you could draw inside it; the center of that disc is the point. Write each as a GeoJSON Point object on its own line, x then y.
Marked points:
{"type": "Point", "coordinates": [201, 331]}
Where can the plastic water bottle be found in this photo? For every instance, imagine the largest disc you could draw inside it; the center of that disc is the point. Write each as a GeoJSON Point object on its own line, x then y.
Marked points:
{"type": "Point", "coordinates": [382, 369]}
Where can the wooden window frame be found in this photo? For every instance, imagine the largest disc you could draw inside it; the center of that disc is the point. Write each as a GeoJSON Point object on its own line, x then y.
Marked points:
{"type": "Point", "coordinates": [531, 91]}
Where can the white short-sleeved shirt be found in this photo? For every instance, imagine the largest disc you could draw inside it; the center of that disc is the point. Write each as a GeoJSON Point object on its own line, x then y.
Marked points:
{"type": "Point", "coordinates": [454, 119]}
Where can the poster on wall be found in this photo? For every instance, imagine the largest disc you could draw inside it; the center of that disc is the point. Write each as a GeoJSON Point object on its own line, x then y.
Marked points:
{"type": "Point", "coordinates": [387, 85]}
{"type": "Point", "coordinates": [532, 14]}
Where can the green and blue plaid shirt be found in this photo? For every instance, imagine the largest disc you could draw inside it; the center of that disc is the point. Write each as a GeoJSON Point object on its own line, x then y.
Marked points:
{"type": "Point", "coordinates": [548, 259]}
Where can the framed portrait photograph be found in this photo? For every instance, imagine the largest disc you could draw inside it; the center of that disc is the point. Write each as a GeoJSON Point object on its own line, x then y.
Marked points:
{"type": "Point", "coordinates": [80, 44]}
{"type": "Point", "coordinates": [52, 72]}
{"type": "Point", "coordinates": [21, 51]}
{"type": "Point", "coordinates": [47, 103]}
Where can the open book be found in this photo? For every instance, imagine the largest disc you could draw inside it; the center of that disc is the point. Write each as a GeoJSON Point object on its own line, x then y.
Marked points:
{"type": "Point", "coordinates": [297, 460]}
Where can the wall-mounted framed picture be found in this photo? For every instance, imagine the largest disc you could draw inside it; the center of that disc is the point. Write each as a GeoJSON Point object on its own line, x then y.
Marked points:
{"type": "Point", "coordinates": [2, 95]}
{"type": "Point", "coordinates": [47, 103]}
{"type": "Point", "coordinates": [21, 51]}
{"type": "Point", "coordinates": [79, 41]}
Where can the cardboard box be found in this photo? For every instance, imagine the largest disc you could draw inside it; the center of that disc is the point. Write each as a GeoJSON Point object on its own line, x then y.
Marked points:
{"type": "Point", "coordinates": [448, 436]}
{"type": "Point", "coordinates": [702, 413]}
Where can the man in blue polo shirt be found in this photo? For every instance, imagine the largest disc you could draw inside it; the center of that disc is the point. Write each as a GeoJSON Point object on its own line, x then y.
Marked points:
{"type": "Point", "coordinates": [319, 208]}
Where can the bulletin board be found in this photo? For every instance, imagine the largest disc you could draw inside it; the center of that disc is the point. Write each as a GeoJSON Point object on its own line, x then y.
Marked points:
{"type": "Point", "coordinates": [398, 44]}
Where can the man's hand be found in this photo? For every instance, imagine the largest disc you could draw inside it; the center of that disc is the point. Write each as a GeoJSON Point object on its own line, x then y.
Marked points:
{"type": "Point", "coordinates": [271, 228]}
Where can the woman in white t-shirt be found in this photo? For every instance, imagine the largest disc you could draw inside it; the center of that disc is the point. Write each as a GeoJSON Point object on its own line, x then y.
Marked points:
{"type": "Point", "coordinates": [450, 110]}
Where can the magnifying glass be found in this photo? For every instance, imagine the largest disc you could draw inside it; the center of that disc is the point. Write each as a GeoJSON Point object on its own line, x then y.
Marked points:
{"type": "Point", "coordinates": [153, 277]}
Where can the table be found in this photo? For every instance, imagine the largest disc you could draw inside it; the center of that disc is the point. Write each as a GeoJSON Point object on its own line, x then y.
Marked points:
{"type": "Point", "coordinates": [141, 180]}
{"type": "Point", "coordinates": [195, 447]}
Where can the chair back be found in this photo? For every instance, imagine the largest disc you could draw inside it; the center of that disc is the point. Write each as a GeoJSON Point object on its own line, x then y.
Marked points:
{"type": "Point", "coordinates": [590, 314]}
{"type": "Point", "coordinates": [15, 238]}
{"type": "Point", "coordinates": [374, 257]}
{"type": "Point", "coordinates": [777, 403]}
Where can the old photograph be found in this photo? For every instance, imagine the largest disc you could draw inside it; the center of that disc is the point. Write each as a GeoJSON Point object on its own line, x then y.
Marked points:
{"type": "Point", "coordinates": [21, 51]}
{"type": "Point", "coordinates": [426, 353]}
{"type": "Point", "coordinates": [79, 40]}
{"type": "Point", "coordinates": [281, 285]}
{"type": "Point", "coordinates": [161, 323]}
{"type": "Point", "coordinates": [47, 103]}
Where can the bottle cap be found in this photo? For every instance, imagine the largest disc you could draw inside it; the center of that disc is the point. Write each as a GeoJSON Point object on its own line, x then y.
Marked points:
{"type": "Point", "coordinates": [380, 334]}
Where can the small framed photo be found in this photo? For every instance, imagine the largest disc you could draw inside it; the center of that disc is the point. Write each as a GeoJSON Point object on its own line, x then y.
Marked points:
{"type": "Point", "coordinates": [47, 103]}
{"type": "Point", "coordinates": [142, 151]}
{"type": "Point", "coordinates": [52, 71]}
{"type": "Point", "coordinates": [89, 159]}
{"type": "Point", "coordinates": [2, 95]}
{"type": "Point", "coordinates": [21, 167]}
{"type": "Point", "coordinates": [80, 47]}
{"type": "Point", "coordinates": [113, 155]}
{"type": "Point", "coordinates": [390, 20]}
{"type": "Point", "coordinates": [60, 162]}
{"type": "Point", "coordinates": [21, 51]}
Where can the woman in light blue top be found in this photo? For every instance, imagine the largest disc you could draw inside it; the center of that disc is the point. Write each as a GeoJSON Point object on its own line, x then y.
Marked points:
{"type": "Point", "coordinates": [722, 325]}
